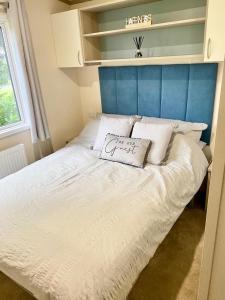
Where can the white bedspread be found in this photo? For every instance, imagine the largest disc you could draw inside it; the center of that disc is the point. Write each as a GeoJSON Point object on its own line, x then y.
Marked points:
{"type": "Point", "coordinates": [73, 226]}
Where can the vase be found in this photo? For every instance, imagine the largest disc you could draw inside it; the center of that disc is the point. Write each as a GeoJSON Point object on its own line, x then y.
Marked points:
{"type": "Point", "coordinates": [138, 53]}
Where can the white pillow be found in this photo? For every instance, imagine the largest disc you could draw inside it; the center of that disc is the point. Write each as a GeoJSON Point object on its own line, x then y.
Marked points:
{"type": "Point", "coordinates": [131, 118]}
{"type": "Point", "coordinates": [125, 150]}
{"type": "Point", "coordinates": [180, 126]}
{"type": "Point", "coordinates": [159, 135]}
{"type": "Point", "coordinates": [194, 135]}
{"type": "Point", "coordinates": [114, 126]}
{"type": "Point", "coordinates": [90, 131]}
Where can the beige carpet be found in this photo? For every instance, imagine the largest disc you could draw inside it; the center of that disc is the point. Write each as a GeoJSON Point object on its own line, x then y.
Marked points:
{"type": "Point", "coordinates": [172, 273]}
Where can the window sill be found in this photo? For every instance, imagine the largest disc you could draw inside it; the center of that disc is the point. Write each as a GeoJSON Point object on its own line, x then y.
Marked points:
{"type": "Point", "coordinates": [13, 129]}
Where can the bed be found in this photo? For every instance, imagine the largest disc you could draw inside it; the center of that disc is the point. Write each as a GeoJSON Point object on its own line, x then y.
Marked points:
{"type": "Point", "coordinates": [73, 226]}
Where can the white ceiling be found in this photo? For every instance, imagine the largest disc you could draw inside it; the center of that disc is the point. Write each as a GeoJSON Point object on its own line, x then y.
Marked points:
{"type": "Point", "coordinates": [73, 1]}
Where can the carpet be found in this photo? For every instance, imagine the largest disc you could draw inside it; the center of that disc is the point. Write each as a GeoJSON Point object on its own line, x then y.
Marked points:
{"type": "Point", "coordinates": [173, 273]}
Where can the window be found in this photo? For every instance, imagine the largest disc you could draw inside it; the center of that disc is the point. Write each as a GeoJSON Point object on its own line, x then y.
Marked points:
{"type": "Point", "coordinates": [9, 111]}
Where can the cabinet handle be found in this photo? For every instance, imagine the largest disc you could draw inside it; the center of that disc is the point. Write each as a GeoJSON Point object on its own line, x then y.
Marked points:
{"type": "Point", "coordinates": [209, 48]}
{"type": "Point", "coordinates": [78, 57]}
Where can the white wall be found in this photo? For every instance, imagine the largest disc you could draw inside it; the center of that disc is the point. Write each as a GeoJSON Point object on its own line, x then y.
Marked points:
{"type": "Point", "coordinates": [212, 274]}
{"type": "Point", "coordinates": [89, 92]}
{"type": "Point", "coordinates": [59, 87]}
{"type": "Point", "coordinates": [217, 288]}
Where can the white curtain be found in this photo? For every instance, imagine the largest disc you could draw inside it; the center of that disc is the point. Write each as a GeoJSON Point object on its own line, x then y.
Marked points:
{"type": "Point", "coordinates": [28, 74]}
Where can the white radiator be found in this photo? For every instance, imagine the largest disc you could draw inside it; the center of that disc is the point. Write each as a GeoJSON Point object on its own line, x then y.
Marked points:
{"type": "Point", "coordinates": [12, 160]}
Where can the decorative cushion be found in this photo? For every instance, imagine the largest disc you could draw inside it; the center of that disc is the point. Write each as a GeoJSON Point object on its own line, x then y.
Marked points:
{"type": "Point", "coordinates": [125, 150]}
{"type": "Point", "coordinates": [159, 134]}
{"type": "Point", "coordinates": [116, 126]}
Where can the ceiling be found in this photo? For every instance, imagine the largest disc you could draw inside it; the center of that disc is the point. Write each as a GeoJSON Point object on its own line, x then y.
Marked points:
{"type": "Point", "coordinates": [73, 1]}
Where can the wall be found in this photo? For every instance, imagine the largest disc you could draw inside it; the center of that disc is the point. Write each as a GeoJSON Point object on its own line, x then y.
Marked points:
{"type": "Point", "coordinates": [212, 274]}
{"type": "Point", "coordinates": [220, 79]}
{"type": "Point", "coordinates": [89, 92]}
{"type": "Point", "coordinates": [59, 87]}
{"type": "Point", "coordinates": [217, 289]}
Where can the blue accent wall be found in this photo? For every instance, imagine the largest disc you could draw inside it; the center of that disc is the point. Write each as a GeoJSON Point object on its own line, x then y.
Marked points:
{"type": "Point", "coordinates": [183, 92]}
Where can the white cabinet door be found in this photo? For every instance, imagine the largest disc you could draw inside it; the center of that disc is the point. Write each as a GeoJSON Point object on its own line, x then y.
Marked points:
{"type": "Point", "coordinates": [67, 36]}
{"type": "Point", "coordinates": [214, 49]}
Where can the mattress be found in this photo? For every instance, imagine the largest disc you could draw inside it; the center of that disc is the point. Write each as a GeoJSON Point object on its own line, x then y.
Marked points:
{"type": "Point", "coordinates": [73, 226]}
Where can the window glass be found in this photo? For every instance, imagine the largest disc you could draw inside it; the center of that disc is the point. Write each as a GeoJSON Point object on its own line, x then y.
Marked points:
{"type": "Point", "coordinates": [9, 112]}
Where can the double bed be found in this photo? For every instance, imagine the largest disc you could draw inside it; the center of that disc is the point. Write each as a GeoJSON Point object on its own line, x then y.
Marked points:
{"type": "Point", "coordinates": [73, 226]}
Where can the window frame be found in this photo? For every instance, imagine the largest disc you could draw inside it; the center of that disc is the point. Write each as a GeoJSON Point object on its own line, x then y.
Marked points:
{"type": "Point", "coordinates": [21, 125]}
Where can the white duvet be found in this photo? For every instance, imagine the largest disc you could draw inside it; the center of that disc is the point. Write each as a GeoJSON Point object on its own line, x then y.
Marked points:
{"type": "Point", "coordinates": [73, 226]}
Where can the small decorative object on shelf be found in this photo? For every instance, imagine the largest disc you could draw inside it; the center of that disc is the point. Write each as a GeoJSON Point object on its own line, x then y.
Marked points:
{"type": "Point", "coordinates": [139, 21]}
{"type": "Point", "coordinates": [138, 43]}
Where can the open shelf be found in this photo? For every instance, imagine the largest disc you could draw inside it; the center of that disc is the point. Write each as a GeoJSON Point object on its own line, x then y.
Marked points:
{"type": "Point", "coordinates": [174, 37]}
{"type": "Point", "coordinates": [145, 28]}
{"type": "Point", "coordinates": [188, 59]}
{"type": "Point", "coordinates": [109, 5]}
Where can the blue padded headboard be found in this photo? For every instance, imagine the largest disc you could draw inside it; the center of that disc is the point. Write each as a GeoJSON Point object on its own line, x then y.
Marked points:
{"type": "Point", "coordinates": [184, 92]}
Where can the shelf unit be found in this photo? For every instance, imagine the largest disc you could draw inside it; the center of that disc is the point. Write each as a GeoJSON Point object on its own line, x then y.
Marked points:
{"type": "Point", "coordinates": [146, 28]}
{"type": "Point", "coordinates": [148, 60]}
{"type": "Point", "coordinates": [106, 42]}
{"type": "Point", "coordinates": [182, 32]}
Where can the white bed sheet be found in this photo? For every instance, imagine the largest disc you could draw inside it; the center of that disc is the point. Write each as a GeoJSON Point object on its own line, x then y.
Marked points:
{"type": "Point", "coordinates": [73, 226]}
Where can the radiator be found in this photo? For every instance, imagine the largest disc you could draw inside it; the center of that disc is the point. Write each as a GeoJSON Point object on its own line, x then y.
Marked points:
{"type": "Point", "coordinates": [12, 160]}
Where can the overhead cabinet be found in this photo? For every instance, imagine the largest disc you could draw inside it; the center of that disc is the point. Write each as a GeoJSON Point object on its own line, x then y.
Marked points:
{"type": "Point", "coordinates": [68, 39]}
{"type": "Point", "coordinates": [214, 49]}
{"type": "Point", "coordinates": [96, 34]}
